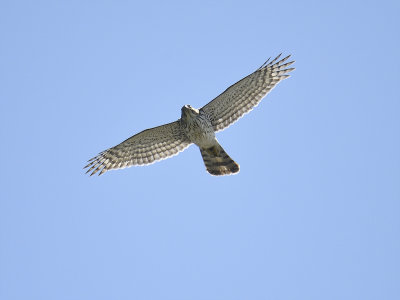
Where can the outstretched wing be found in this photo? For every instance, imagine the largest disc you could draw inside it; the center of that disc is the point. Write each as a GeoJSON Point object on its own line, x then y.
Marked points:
{"type": "Point", "coordinates": [143, 148]}
{"type": "Point", "coordinates": [241, 97]}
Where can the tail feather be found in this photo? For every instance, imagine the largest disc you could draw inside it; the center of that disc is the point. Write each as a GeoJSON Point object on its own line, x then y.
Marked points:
{"type": "Point", "coordinates": [218, 162]}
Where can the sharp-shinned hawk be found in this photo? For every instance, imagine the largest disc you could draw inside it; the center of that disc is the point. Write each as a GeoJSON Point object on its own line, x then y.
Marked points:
{"type": "Point", "coordinates": [197, 126]}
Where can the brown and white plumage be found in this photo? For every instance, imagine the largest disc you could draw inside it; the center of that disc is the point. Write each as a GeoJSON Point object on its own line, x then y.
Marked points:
{"type": "Point", "coordinates": [196, 126]}
{"type": "Point", "coordinates": [241, 97]}
{"type": "Point", "coordinates": [144, 148]}
{"type": "Point", "coordinates": [218, 162]}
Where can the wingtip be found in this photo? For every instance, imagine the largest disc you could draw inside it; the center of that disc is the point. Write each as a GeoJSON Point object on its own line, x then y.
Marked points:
{"type": "Point", "coordinates": [287, 56]}
{"type": "Point", "coordinates": [264, 64]}
{"type": "Point", "coordinates": [268, 63]}
{"type": "Point", "coordinates": [93, 158]}
{"type": "Point", "coordinates": [274, 60]}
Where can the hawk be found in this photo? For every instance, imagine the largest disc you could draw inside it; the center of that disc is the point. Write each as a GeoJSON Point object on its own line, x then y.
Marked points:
{"type": "Point", "coordinates": [197, 126]}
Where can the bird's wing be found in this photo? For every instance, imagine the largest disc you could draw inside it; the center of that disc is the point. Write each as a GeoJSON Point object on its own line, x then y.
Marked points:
{"type": "Point", "coordinates": [143, 148]}
{"type": "Point", "coordinates": [241, 97]}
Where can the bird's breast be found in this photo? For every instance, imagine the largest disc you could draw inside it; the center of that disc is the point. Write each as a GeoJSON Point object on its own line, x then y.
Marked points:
{"type": "Point", "coordinates": [200, 131]}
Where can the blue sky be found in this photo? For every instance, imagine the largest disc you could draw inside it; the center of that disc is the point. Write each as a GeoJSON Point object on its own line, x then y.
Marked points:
{"type": "Point", "coordinates": [314, 211]}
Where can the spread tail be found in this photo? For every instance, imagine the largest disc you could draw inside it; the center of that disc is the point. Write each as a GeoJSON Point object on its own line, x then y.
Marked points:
{"type": "Point", "coordinates": [218, 162]}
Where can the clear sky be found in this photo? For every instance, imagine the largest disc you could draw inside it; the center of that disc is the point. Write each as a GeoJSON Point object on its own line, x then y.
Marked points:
{"type": "Point", "coordinates": [313, 213]}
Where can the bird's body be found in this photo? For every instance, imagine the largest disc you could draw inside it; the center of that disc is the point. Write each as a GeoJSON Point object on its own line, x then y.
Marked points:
{"type": "Point", "coordinates": [196, 126]}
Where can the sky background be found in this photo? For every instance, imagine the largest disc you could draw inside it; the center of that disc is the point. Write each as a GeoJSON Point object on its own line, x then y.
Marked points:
{"type": "Point", "coordinates": [313, 213]}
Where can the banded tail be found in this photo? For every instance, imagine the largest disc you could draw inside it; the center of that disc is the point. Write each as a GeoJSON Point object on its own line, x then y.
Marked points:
{"type": "Point", "coordinates": [218, 162]}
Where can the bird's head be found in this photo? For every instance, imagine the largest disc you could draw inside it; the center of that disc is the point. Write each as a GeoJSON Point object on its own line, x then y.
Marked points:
{"type": "Point", "coordinates": [188, 111]}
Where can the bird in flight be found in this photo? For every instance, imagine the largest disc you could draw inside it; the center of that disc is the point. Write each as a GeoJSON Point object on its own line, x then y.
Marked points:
{"type": "Point", "coordinates": [197, 126]}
